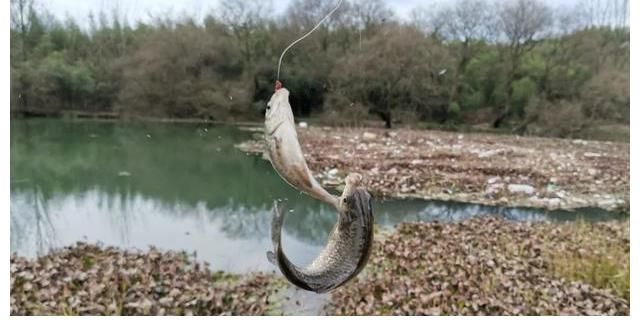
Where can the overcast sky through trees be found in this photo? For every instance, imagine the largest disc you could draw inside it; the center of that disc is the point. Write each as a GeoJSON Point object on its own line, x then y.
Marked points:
{"type": "Point", "coordinates": [140, 10]}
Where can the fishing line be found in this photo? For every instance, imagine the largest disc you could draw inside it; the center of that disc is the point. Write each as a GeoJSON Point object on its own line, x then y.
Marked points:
{"type": "Point", "coordinates": [305, 36]}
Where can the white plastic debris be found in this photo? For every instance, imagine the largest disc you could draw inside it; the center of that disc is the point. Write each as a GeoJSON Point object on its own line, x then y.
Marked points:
{"type": "Point", "coordinates": [521, 189]}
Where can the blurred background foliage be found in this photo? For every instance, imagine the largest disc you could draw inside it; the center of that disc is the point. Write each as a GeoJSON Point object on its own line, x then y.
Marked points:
{"type": "Point", "coordinates": [516, 66]}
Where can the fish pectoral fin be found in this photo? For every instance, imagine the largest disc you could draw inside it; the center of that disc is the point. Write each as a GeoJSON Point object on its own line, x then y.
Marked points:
{"type": "Point", "coordinates": [271, 257]}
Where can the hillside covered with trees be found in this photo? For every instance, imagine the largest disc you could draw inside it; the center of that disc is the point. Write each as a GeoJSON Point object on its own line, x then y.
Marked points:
{"type": "Point", "coordinates": [518, 66]}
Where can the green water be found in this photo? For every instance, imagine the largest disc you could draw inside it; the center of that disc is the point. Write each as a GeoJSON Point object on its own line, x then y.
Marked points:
{"type": "Point", "coordinates": [178, 187]}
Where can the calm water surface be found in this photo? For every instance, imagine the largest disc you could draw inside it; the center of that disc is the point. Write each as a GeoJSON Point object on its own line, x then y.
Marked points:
{"type": "Point", "coordinates": [179, 187]}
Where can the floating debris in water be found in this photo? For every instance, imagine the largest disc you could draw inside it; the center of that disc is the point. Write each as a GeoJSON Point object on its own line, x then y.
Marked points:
{"type": "Point", "coordinates": [19, 181]}
{"type": "Point", "coordinates": [450, 166]}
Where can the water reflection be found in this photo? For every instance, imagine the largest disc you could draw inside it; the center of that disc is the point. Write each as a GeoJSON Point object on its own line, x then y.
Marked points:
{"type": "Point", "coordinates": [394, 211]}
{"type": "Point", "coordinates": [178, 188]}
{"type": "Point", "coordinates": [233, 238]}
{"type": "Point", "coordinates": [39, 233]}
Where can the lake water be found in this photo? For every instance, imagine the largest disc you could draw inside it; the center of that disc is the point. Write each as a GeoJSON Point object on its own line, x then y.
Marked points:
{"type": "Point", "coordinates": [180, 186]}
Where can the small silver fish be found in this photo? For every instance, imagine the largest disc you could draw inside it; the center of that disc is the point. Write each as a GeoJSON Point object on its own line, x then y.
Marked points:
{"type": "Point", "coordinates": [347, 250]}
{"type": "Point", "coordinates": [284, 149]}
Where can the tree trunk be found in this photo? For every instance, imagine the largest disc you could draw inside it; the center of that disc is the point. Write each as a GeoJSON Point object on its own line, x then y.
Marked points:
{"type": "Point", "coordinates": [22, 98]}
{"type": "Point", "coordinates": [507, 104]}
{"type": "Point", "coordinates": [384, 115]}
{"type": "Point", "coordinates": [387, 120]}
{"type": "Point", "coordinates": [456, 89]}
{"type": "Point", "coordinates": [520, 130]}
{"type": "Point", "coordinates": [499, 120]}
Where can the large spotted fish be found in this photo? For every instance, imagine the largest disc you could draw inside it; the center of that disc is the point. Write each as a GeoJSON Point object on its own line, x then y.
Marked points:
{"type": "Point", "coordinates": [350, 240]}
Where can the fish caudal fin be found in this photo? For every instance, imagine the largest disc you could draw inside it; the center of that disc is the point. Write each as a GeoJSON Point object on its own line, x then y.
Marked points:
{"type": "Point", "coordinates": [276, 229]}
{"type": "Point", "coordinates": [277, 257]}
{"type": "Point", "coordinates": [272, 258]}
{"type": "Point", "coordinates": [276, 223]}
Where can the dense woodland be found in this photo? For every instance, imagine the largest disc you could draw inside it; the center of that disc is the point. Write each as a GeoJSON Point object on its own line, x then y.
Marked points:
{"type": "Point", "coordinates": [518, 66]}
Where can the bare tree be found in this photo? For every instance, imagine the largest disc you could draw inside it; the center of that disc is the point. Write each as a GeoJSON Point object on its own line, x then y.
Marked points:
{"type": "Point", "coordinates": [384, 77]}
{"type": "Point", "coordinates": [370, 14]}
{"type": "Point", "coordinates": [20, 10]}
{"type": "Point", "coordinates": [622, 13]}
{"type": "Point", "coordinates": [429, 21]}
{"type": "Point", "coordinates": [466, 20]}
{"type": "Point", "coordinates": [302, 15]}
{"type": "Point", "coordinates": [245, 13]}
{"type": "Point", "coordinates": [245, 17]}
{"type": "Point", "coordinates": [305, 14]}
{"type": "Point", "coordinates": [594, 15]}
{"type": "Point", "coordinates": [21, 15]}
{"type": "Point", "coordinates": [599, 13]}
{"type": "Point", "coordinates": [521, 24]}
{"type": "Point", "coordinates": [560, 49]}
{"type": "Point", "coordinates": [465, 23]}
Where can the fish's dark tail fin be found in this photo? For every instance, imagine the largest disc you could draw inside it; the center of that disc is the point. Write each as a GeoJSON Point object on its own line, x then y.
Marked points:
{"type": "Point", "coordinates": [272, 258]}
{"type": "Point", "coordinates": [277, 256]}
{"type": "Point", "coordinates": [276, 230]}
{"type": "Point", "coordinates": [277, 221]}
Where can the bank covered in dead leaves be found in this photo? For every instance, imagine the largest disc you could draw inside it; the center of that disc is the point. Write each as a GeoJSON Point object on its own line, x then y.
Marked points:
{"type": "Point", "coordinates": [92, 280]}
{"type": "Point", "coordinates": [481, 266]}
{"type": "Point", "coordinates": [493, 267]}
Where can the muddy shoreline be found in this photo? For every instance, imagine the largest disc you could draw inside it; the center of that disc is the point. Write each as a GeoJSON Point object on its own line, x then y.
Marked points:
{"type": "Point", "coordinates": [477, 168]}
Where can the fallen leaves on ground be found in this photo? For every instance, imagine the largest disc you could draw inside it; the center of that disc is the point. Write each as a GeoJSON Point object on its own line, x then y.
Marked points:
{"type": "Point", "coordinates": [88, 279]}
{"type": "Point", "coordinates": [483, 266]}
